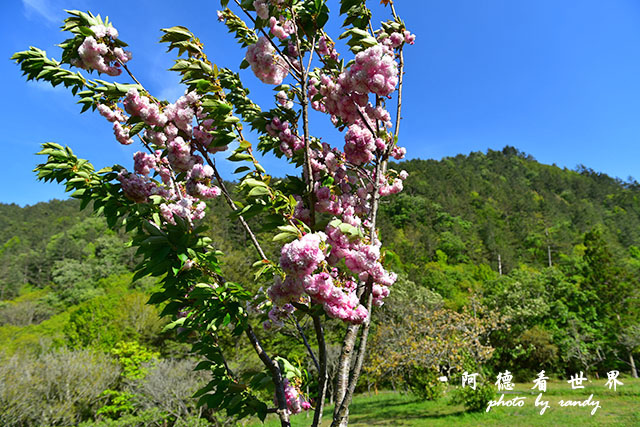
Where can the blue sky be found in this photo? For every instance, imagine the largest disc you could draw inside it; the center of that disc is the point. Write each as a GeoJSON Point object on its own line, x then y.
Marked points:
{"type": "Point", "coordinates": [557, 80]}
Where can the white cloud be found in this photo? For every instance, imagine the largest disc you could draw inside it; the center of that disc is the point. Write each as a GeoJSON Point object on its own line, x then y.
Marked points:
{"type": "Point", "coordinates": [46, 86]}
{"type": "Point", "coordinates": [44, 8]}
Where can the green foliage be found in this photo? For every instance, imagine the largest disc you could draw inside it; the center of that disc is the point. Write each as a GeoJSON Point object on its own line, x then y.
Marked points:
{"type": "Point", "coordinates": [118, 404]}
{"type": "Point", "coordinates": [475, 400]}
{"type": "Point", "coordinates": [134, 359]}
{"type": "Point", "coordinates": [104, 321]}
{"type": "Point", "coordinates": [424, 382]}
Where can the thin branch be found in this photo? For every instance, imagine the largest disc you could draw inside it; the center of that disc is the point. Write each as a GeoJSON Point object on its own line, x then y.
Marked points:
{"type": "Point", "coordinates": [399, 109]}
{"type": "Point", "coordinates": [226, 366]}
{"type": "Point", "coordinates": [129, 72]}
{"type": "Point", "coordinates": [304, 101]}
{"type": "Point", "coordinates": [313, 48]}
{"type": "Point", "coordinates": [233, 206]}
{"type": "Point", "coordinates": [306, 343]}
{"type": "Point", "coordinates": [276, 375]}
{"type": "Point", "coordinates": [366, 122]}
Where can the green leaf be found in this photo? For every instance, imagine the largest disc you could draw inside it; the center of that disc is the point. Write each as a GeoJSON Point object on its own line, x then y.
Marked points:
{"type": "Point", "coordinates": [242, 169]}
{"type": "Point", "coordinates": [258, 191]}
{"type": "Point", "coordinates": [289, 237]}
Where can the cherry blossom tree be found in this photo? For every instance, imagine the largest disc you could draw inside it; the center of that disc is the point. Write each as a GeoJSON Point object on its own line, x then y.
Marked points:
{"type": "Point", "coordinates": [330, 263]}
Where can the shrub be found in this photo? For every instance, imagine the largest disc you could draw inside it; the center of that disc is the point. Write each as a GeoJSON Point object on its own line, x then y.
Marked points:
{"type": "Point", "coordinates": [424, 383]}
{"type": "Point", "coordinates": [54, 388]}
{"type": "Point", "coordinates": [474, 400]}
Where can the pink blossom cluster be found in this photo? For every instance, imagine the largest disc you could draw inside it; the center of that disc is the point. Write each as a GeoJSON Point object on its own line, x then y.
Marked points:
{"type": "Point", "coordinates": [98, 53]}
{"type": "Point", "coordinates": [398, 152]}
{"type": "Point", "coordinates": [182, 112]}
{"type": "Point", "coordinates": [143, 163]}
{"type": "Point", "coordinates": [375, 71]}
{"type": "Point", "coordinates": [301, 257]}
{"type": "Point", "coordinates": [395, 40]}
{"type": "Point", "coordinates": [325, 47]}
{"type": "Point", "coordinates": [179, 154]}
{"type": "Point", "coordinates": [282, 27]}
{"type": "Point", "coordinates": [336, 302]}
{"type": "Point", "coordinates": [360, 258]}
{"type": "Point", "coordinates": [348, 199]}
{"type": "Point", "coordinates": [344, 96]}
{"type": "Point", "coordinates": [285, 291]}
{"type": "Point", "coordinates": [122, 134]}
{"type": "Point", "coordinates": [262, 8]}
{"type": "Point", "coordinates": [386, 189]}
{"type": "Point", "coordinates": [199, 182]}
{"type": "Point", "coordinates": [338, 100]}
{"type": "Point", "coordinates": [283, 99]}
{"type": "Point", "coordinates": [175, 152]}
{"type": "Point", "coordinates": [409, 38]}
{"type": "Point", "coordinates": [277, 315]}
{"type": "Point", "coordinates": [340, 204]}
{"type": "Point", "coordinates": [328, 161]}
{"type": "Point", "coordinates": [265, 63]}
{"type": "Point", "coordinates": [135, 187]}
{"type": "Point", "coordinates": [115, 115]}
{"type": "Point", "coordinates": [295, 402]}
{"type": "Point", "coordinates": [359, 145]}
{"type": "Point", "coordinates": [187, 207]}
{"type": "Point", "coordinates": [289, 141]}
{"type": "Point", "coordinates": [144, 108]}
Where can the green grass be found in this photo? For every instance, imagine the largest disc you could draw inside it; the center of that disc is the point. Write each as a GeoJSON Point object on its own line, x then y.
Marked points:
{"type": "Point", "coordinates": [619, 408]}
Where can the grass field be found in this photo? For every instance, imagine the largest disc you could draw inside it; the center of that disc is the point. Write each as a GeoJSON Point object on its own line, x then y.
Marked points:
{"type": "Point", "coordinates": [619, 408]}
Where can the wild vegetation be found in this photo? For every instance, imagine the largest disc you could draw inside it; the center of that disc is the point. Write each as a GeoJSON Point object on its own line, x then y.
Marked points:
{"type": "Point", "coordinates": [566, 298]}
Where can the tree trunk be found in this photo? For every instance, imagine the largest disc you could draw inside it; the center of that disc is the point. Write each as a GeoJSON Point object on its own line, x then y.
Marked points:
{"type": "Point", "coordinates": [634, 371]}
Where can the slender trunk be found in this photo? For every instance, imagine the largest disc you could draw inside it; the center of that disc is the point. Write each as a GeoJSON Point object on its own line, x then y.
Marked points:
{"type": "Point", "coordinates": [322, 372]}
{"type": "Point", "coordinates": [548, 247]}
{"type": "Point", "coordinates": [344, 364]}
{"type": "Point", "coordinates": [341, 414]}
{"type": "Point", "coordinates": [634, 372]}
{"type": "Point", "coordinates": [499, 264]}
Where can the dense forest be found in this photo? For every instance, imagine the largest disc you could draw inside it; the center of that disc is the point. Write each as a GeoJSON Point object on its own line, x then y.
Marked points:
{"type": "Point", "coordinates": [504, 263]}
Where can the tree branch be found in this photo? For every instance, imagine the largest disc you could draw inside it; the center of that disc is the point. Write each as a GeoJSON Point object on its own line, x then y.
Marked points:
{"type": "Point", "coordinates": [306, 343]}
{"type": "Point", "coordinates": [233, 206]}
{"type": "Point", "coordinates": [276, 376]}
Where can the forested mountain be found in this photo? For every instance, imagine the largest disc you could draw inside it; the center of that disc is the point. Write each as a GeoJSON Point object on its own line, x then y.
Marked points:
{"type": "Point", "coordinates": [540, 263]}
{"type": "Point", "coordinates": [476, 207]}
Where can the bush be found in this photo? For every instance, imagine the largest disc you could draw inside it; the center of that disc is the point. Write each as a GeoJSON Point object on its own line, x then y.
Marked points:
{"type": "Point", "coordinates": [424, 383]}
{"type": "Point", "coordinates": [106, 320]}
{"type": "Point", "coordinates": [168, 386]}
{"type": "Point", "coordinates": [55, 388]}
{"type": "Point", "coordinates": [474, 400]}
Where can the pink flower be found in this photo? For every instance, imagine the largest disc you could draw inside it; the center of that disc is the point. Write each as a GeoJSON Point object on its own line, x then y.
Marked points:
{"type": "Point", "coordinates": [265, 62]}
{"type": "Point", "coordinates": [301, 257]}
